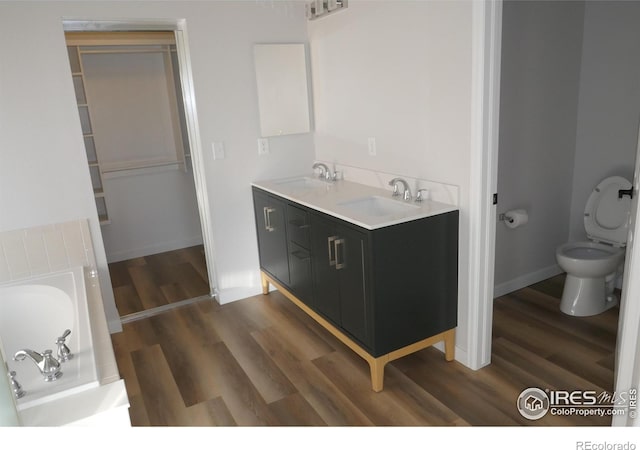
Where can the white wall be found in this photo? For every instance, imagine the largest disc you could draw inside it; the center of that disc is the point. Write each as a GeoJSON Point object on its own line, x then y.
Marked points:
{"type": "Point", "coordinates": [43, 174]}
{"type": "Point", "coordinates": [151, 211]}
{"type": "Point", "coordinates": [609, 107]}
{"type": "Point", "coordinates": [541, 48]}
{"type": "Point", "coordinates": [135, 122]}
{"type": "Point", "coordinates": [399, 72]}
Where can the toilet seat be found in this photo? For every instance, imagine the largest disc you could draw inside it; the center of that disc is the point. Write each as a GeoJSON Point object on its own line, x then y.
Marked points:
{"type": "Point", "coordinates": [606, 216]}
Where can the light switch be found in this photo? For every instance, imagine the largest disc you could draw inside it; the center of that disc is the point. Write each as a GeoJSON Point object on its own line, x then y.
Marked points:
{"type": "Point", "coordinates": [218, 150]}
{"type": "Point", "coordinates": [371, 142]}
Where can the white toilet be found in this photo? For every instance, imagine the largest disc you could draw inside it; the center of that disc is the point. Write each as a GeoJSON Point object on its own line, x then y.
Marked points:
{"type": "Point", "coordinates": [592, 266]}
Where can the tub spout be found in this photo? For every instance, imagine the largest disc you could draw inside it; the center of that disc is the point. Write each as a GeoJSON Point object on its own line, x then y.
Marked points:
{"type": "Point", "coordinates": [49, 366]}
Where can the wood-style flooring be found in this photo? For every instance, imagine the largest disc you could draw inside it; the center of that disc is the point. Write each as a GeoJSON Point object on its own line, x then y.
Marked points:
{"type": "Point", "coordinates": [148, 282]}
{"type": "Point", "coordinates": [262, 361]}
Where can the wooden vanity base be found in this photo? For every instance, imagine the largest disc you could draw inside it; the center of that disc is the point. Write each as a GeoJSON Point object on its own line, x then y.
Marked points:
{"type": "Point", "coordinates": [376, 365]}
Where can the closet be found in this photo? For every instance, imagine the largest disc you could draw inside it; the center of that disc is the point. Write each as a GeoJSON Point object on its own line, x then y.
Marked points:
{"type": "Point", "coordinates": [131, 112]}
{"type": "Point", "coordinates": [130, 106]}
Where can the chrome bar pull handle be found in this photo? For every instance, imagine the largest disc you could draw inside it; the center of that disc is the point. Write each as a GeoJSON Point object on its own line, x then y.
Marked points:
{"type": "Point", "coordinates": [332, 250]}
{"type": "Point", "coordinates": [343, 263]}
{"type": "Point", "coordinates": [267, 218]}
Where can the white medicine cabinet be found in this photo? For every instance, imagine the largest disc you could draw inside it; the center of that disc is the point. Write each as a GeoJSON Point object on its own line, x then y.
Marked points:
{"type": "Point", "coordinates": [283, 94]}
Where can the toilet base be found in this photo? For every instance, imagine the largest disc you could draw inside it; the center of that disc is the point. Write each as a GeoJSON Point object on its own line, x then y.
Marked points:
{"type": "Point", "coordinates": [587, 296]}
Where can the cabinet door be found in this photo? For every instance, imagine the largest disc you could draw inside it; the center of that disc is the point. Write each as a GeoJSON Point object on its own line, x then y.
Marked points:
{"type": "Point", "coordinates": [300, 273]}
{"type": "Point", "coordinates": [351, 260]}
{"type": "Point", "coordinates": [326, 294]}
{"type": "Point", "coordinates": [272, 238]}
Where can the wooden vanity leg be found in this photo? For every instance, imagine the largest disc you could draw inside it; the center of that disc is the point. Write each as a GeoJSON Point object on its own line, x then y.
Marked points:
{"type": "Point", "coordinates": [265, 284]}
{"type": "Point", "coordinates": [449, 344]}
{"type": "Point", "coordinates": [377, 373]}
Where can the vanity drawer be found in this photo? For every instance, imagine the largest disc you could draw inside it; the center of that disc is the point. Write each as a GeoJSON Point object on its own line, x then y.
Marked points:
{"type": "Point", "coordinates": [298, 226]}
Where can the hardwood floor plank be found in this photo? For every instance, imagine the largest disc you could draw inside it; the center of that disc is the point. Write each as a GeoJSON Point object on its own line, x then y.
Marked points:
{"type": "Point", "coordinates": [588, 369]}
{"type": "Point", "coordinates": [294, 410]}
{"type": "Point", "coordinates": [159, 279]}
{"type": "Point", "coordinates": [331, 404]}
{"type": "Point", "coordinates": [304, 335]}
{"type": "Point", "coordinates": [538, 336]}
{"type": "Point", "coordinates": [138, 411]}
{"type": "Point", "coordinates": [213, 412]}
{"type": "Point", "coordinates": [127, 299]}
{"type": "Point", "coordinates": [243, 400]}
{"type": "Point", "coordinates": [512, 368]}
{"type": "Point", "coordinates": [190, 364]}
{"type": "Point", "coordinates": [455, 386]}
{"type": "Point", "coordinates": [263, 361]}
{"type": "Point", "coordinates": [256, 364]}
{"type": "Point", "coordinates": [147, 287]}
{"type": "Point", "coordinates": [554, 376]}
{"type": "Point", "coordinates": [162, 399]}
{"type": "Point", "coordinates": [351, 375]}
{"type": "Point", "coordinates": [190, 280]}
{"type": "Point", "coordinates": [553, 286]}
{"type": "Point", "coordinates": [600, 331]}
{"type": "Point", "coordinates": [119, 273]}
{"type": "Point", "coordinates": [196, 257]}
{"type": "Point", "coordinates": [417, 401]}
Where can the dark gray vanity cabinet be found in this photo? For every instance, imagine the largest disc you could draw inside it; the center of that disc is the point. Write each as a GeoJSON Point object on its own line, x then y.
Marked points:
{"type": "Point", "coordinates": [272, 236]}
{"type": "Point", "coordinates": [299, 248]}
{"type": "Point", "coordinates": [340, 259]}
{"type": "Point", "coordinates": [386, 288]}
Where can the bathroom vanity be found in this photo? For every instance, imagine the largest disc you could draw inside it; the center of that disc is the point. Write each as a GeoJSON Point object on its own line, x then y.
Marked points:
{"type": "Point", "coordinates": [378, 272]}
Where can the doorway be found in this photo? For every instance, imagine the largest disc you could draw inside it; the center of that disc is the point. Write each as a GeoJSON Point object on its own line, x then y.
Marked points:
{"type": "Point", "coordinates": [568, 119]}
{"type": "Point", "coordinates": [138, 136]}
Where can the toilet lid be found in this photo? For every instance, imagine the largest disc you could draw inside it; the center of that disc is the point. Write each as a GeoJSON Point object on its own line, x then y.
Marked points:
{"type": "Point", "coordinates": [606, 217]}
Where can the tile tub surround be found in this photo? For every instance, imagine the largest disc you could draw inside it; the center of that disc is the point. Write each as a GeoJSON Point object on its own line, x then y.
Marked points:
{"type": "Point", "coordinates": [49, 248]}
{"type": "Point", "coordinates": [336, 199]}
{"type": "Point", "coordinates": [43, 249]}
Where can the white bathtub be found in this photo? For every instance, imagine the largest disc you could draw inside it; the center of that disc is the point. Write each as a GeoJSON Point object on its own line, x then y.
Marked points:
{"type": "Point", "coordinates": [34, 312]}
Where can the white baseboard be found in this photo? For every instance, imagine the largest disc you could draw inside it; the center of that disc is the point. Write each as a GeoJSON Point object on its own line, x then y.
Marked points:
{"type": "Point", "coordinates": [238, 293]}
{"type": "Point", "coordinates": [526, 280]}
{"type": "Point", "coordinates": [161, 247]}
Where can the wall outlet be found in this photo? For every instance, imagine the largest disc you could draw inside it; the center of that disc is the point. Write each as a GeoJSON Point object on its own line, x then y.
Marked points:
{"type": "Point", "coordinates": [218, 150]}
{"type": "Point", "coordinates": [371, 143]}
{"type": "Point", "coordinates": [263, 146]}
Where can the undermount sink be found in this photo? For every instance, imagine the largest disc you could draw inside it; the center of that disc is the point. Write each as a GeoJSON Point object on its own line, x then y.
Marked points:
{"type": "Point", "coordinates": [302, 183]}
{"type": "Point", "coordinates": [378, 206]}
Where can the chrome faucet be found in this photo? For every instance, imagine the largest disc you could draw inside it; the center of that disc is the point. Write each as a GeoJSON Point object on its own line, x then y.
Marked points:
{"type": "Point", "coordinates": [48, 365]}
{"type": "Point", "coordinates": [406, 193]}
{"type": "Point", "coordinates": [64, 354]}
{"type": "Point", "coordinates": [324, 171]}
{"type": "Point", "coordinates": [18, 392]}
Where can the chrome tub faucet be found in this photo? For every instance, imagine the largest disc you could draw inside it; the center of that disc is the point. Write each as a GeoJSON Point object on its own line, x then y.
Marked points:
{"type": "Point", "coordinates": [48, 365]}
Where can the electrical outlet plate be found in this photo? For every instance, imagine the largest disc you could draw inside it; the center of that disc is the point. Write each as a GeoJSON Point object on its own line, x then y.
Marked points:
{"type": "Point", "coordinates": [263, 146]}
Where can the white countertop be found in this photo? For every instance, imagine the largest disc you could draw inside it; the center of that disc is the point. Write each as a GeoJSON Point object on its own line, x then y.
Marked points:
{"type": "Point", "coordinates": [352, 202]}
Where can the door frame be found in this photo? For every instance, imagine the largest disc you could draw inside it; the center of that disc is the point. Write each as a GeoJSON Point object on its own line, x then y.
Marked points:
{"type": "Point", "coordinates": [485, 108]}
{"type": "Point", "coordinates": [487, 38]}
{"type": "Point", "coordinates": [179, 27]}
